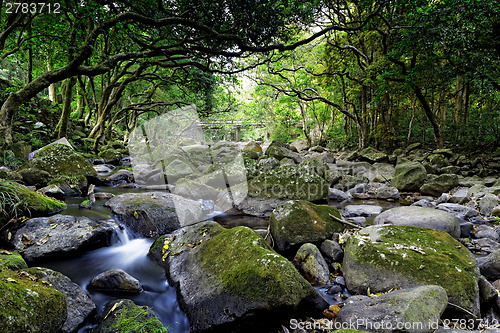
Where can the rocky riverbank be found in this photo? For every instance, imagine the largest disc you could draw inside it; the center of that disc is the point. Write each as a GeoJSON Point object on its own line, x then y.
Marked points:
{"type": "Point", "coordinates": [317, 267]}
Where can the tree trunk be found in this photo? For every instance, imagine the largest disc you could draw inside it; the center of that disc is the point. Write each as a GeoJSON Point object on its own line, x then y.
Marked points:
{"type": "Point", "coordinates": [431, 116]}
{"type": "Point", "coordinates": [52, 86]}
{"type": "Point", "coordinates": [67, 90]}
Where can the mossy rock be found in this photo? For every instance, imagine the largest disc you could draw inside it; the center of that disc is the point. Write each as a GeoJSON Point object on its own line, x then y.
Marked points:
{"type": "Point", "coordinates": [440, 184]}
{"type": "Point", "coordinates": [289, 182]}
{"type": "Point", "coordinates": [33, 203]}
{"type": "Point", "coordinates": [316, 166]}
{"type": "Point", "coordinates": [11, 260]}
{"type": "Point", "coordinates": [110, 155]}
{"type": "Point", "coordinates": [231, 280]}
{"type": "Point", "coordinates": [380, 258]}
{"type": "Point", "coordinates": [124, 316]}
{"type": "Point", "coordinates": [74, 185]}
{"type": "Point", "coordinates": [59, 159]}
{"type": "Point", "coordinates": [409, 176]}
{"type": "Point", "coordinates": [299, 222]}
{"type": "Point", "coordinates": [29, 306]}
{"type": "Point", "coordinates": [35, 177]}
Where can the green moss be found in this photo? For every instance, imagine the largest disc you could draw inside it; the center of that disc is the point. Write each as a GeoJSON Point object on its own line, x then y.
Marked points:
{"type": "Point", "coordinates": [37, 203]}
{"type": "Point", "coordinates": [59, 159]}
{"type": "Point", "coordinates": [123, 316]}
{"type": "Point", "coordinates": [244, 264]}
{"type": "Point", "coordinates": [289, 182]}
{"type": "Point", "coordinates": [30, 306]}
{"type": "Point", "coordinates": [302, 221]}
{"type": "Point", "coordinates": [11, 260]}
{"type": "Point", "coordinates": [70, 180]}
{"type": "Point", "coordinates": [444, 260]}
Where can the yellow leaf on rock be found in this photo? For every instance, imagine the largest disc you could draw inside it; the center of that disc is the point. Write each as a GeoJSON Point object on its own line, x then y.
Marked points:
{"type": "Point", "coordinates": [136, 215]}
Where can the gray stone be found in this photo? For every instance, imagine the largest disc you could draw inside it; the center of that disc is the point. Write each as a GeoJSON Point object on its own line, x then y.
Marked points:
{"type": "Point", "coordinates": [487, 292]}
{"type": "Point", "coordinates": [489, 266]}
{"type": "Point", "coordinates": [461, 212]}
{"type": "Point", "coordinates": [372, 155]}
{"type": "Point", "coordinates": [154, 213]}
{"type": "Point", "coordinates": [57, 236]}
{"type": "Point", "coordinates": [440, 184]}
{"type": "Point", "coordinates": [338, 195]}
{"type": "Point", "coordinates": [423, 305]}
{"type": "Point", "coordinates": [115, 281]}
{"type": "Point", "coordinates": [466, 229]}
{"type": "Point", "coordinates": [484, 231]}
{"type": "Point", "coordinates": [460, 196]}
{"type": "Point", "coordinates": [488, 203]}
{"type": "Point", "coordinates": [348, 182]}
{"type": "Point", "coordinates": [79, 304]}
{"type": "Point", "coordinates": [421, 217]}
{"type": "Point", "coordinates": [485, 245]}
{"type": "Point", "coordinates": [123, 176]}
{"type": "Point", "coordinates": [409, 176]}
{"type": "Point", "coordinates": [194, 190]}
{"type": "Point", "coordinates": [332, 250]}
{"type": "Point", "coordinates": [424, 203]}
{"type": "Point", "coordinates": [266, 164]}
{"type": "Point", "coordinates": [388, 192]}
{"type": "Point", "coordinates": [311, 264]}
{"type": "Point", "coordinates": [362, 210]}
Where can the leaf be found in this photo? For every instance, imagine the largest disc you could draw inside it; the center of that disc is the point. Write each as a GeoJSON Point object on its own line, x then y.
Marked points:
{"type": "Point", "coordinates": [12, 280]}
{"type": "Point", "coordinates": [43, 240]}
{"type": "Point", "coordinates": [5, 252]}
{"type": "Point", "coordinates": [113, 308]}
{"type": "Point", "coordinates": [136, 215]}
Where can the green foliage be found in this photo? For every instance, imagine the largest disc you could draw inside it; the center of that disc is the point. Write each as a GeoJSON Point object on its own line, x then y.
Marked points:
{"type": "Point", "coordinates": [10, 204]}
{"type": "Point", "coordinates": [8, 159]}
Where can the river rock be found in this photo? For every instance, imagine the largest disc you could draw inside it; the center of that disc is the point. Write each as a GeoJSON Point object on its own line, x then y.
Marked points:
{"type": "Point", "coordinates": [267, 164]}
{"type": "Point", "coordinates": [332, 251]}
{"type": "Point", "coordinates": [79, 305]}
{"type": "Point", "coordinates": [490, 265]}
{"type": "Point", "coordinates": [35, 177]}
{"type": "Point", "coordinates": [418, 308]}
{"type": "Point", "coordinates": [487, 292]}
{"type": "Point", "coordinates": [460, 196]}
{"type": "Point", "coordinates": [388, 193]}
{"type": "Point", "coordinates": [298, 222]}
{"type": "Point", "coordinates": [299, 145]}
{"type": "Point", "coordinates": [289, 182]}
{"type": "Point", "coordinates": [230, 280]}
{"type": "Point", "coordinates": [154, 213]}
{"type": "Point", "coordinates": [311, 264]}
{"type": "Point", "coordinates": [488, 203]}
{"type": "Point", "coordinates": [120, 177]}
{"type": "Point", "coordinates": [30, 306]}
{"type": "Point", "coordinates": [485, 231]}
{"type": "Point", "coordinates": [361, 210]}
{"type": "Point", "coordinates": [384, 257]}
{"type": "Point", "coordinates": [123, 315]}
{"type": "Point", "coordinates": [115, 281]}
{"type": "Point", "coordinates": [198, 154]}
{"type": "Point", "coordinates": [66, 186]}
{"type": "Point", "coordinates": [59, 159]}
{"type": "Point", "coordinates": [280, 152]}
{"type": "Point", "coordinates": [191, 189]}
{"type": "Point", "coordinates": [460, 211]}
{"type": "Point", "coordinates": [409, 176]}
{"type": "Point", "coordinates": [252, 146]}
{"type": "Point", "coordinates": [58, 236]}
{"type": "Point", "coordinates": [415, 216]}
{"type": "Point", "coordinates": [338, 195]}
{"type": "Point", "coordinates": [440, 184]}
{"type": "Point", "coordinates": [110, 156]}
{"type": "Point", "coordinates": [316, 166]}
{"type": "Point", "coordinates": [349, 182]}
{"type": "Point", "coordinates": [373, 155]}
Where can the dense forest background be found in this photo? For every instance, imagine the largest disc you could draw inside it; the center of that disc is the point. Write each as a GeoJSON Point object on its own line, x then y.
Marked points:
{"type": "Point", "coordinates": [340, 73]}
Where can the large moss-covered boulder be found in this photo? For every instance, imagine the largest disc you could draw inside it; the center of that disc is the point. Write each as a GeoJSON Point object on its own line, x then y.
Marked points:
{"type": "Point", "coordinates": [409, 176]}
{"type": "Point", "coordinates": [155, 213]}
{"type": "Point", "coordinates": [414, 216]}
{"type": "Point", "coordinates": [110, 155]}
{"type": "Point", "coordinates": [289, 182]}
{"type": "Point", "coordinates": [123, 315]}
{"type": "Point", "coordinates": [29, 306]}
{"type": "Point", "coordinates": [230, 280]}
{"type": "Point", "coordinates": [380, 258]}
{"type": "Point", "coordinates": [440, 184]}
{"type": "Point", "coordinates": [373, 155]}
{"type": "Point", "coordinates": [299, 222]}
{"type": "Point", "coordinates": [411, 310]}
{"type": "Point", "coordinates": [79, 304]}
{"type": "Point", "coordinates": [59, 159]}
{"type": "Point", "coordinates": [35, 177]}
{"type": "Point", "coordinates": [317, 166]}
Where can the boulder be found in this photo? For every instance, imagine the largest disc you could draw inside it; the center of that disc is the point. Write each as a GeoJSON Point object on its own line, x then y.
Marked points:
{"type": "Point", "coordinates": [485, 231]}
{"type": "Point", "coordinates": [123, 315]}
{"type": "Point", "coordinates": [110, 155]}
{"type": "Point", "coordinates": [197, 154]}
{"type": "Point", "coordinates": [35, 177]}
{"type": "Point", "coordinates": [338, 195]}
{"type": "Point", "coordinates": [373, 155]}
{"type": "Point", "coordinates": [267, 164]}
{"type": "Point", "coordinates": [154, 213]}
{"type": "Point", "coordinates": [440, 184]}
{"type": "Point", "coordinates": [60, 159]}
{"type": "Point", "coordinates": [349, 182]}
{"type": "Point", "coordinates": [280, 152]}
{"type": "Point", "coordinates": [460, 211]}
{"type": "Point", "coordinates": [490, 265]}
{"type": "Point", "coordinates": [409, 176]}
{"type": "Point", "coordinates": [460, 196]}
{"type": "Point", "coordinates": [66, 186]}
{"type": "Point", "coordinates": [79, 305]}
{"type": "Point", "coordinates": [415, 310]}
{"type": "Point", "coordinates": [194, 190]}
{"type": "Point", "coordinates": [414, 216]}
{"type": "Point", "coordinates": [298, 222]}
{"type": "Point", "coordinates": [487, 292]}
{"type": "Point", "coordinates": [311, 264]}
{"type": "Point", "coordinates": [361, 210]}
{"type": "Point", "coordinates": [28, 304]}
{"type": "Point", "coordinates": [299, 145]}
{"type": "Point", "coordinates": [380, 258]}
{"type": "Point", "coordinates": [332, 250]}
{"type": "Point", "coordinates": [289, 182]}
{"type": "Point", "coordinates": [252, 146]}
{"type": "Point", "coordinates": [230, 280]}
{"type": "Point", "coordinates": [488, 203]}
{"type": "Point", "coordinates": [388, 193]}
{"type": "Point", "coordinates": [316, 166]}
{"type": "Point", "coordinates": [120, 177]}
{"type": "Point", "coordinates": [55, 237]}
{"type": "Point", "coordinates": [115, 281]}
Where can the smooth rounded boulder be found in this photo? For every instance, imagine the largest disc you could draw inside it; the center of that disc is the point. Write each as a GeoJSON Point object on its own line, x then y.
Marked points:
{"type": "Point", "coordinates": [414, 216]}
{"type": "Point", "coordinates": [409, 176]}
{"type": "Point", "coordinates": [381, 258]}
